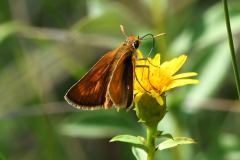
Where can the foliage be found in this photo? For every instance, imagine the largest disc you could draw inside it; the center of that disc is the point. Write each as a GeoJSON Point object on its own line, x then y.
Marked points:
{"type": "Point", "coordinates": [46, 46]}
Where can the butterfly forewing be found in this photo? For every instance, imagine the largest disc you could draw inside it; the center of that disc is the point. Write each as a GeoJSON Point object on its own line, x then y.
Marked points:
{"type": "Point", "coordinates": [90, 91]}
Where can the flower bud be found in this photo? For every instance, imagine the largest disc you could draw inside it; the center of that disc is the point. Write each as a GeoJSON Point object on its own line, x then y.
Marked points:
{"type": "Point", "coordinates": [149, 110]}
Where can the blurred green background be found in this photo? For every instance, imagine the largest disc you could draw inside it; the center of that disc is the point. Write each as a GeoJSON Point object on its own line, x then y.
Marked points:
{"type": "Point", "coordinates": [47, 45]}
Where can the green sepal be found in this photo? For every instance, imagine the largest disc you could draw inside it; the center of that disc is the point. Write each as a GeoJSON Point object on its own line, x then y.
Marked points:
{"type": "Point", "coordinates": [149, 111]}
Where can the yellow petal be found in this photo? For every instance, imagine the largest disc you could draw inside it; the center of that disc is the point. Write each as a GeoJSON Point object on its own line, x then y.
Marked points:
{"type": "Point", "coordinates": [156, 60]}
{"type": "Point", "coordinates": [158, 78]}
{"type": "Point", "coordinates": [174, 65]}
{"type": "Point", "coordinates": [135, 91]}
{"type": "Point", "coordinates": [157, 96]}
{"type": "Point", "coordinates": [181, 82]}
{"type": "Point", "coordinates": [160, 100]}
{"type": "Point", "coordinates": [140, 60]}
{"type": "Point", "coordinates": [184, 75]}
{"type": "Point", "coordinates": [139, 54]}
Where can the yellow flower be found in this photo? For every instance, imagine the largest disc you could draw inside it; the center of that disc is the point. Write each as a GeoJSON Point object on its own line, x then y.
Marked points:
{"type": "Point", "coordinates": [155, 78]}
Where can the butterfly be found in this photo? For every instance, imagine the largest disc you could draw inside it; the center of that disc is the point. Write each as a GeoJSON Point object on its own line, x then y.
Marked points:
{"type": "Point", "coordinates": [110, 81]}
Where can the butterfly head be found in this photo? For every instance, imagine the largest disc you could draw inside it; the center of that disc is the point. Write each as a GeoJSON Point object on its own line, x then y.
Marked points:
{"type": "Point", "coordinates": [133, 42]}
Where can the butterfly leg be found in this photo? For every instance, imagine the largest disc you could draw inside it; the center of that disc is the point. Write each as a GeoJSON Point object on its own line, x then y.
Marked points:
{"type": "Point", "coordinates": [140, 66]}
{"type": "Point", "coordinates": [146, 59]}
{"type": "Point", "coordinates": [148, 74]}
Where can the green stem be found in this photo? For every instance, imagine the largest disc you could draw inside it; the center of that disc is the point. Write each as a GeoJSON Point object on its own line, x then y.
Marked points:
{"type": "Point", "coordinates": [151, 131]}
{"type": "Point", "coordinates": [230, 39]}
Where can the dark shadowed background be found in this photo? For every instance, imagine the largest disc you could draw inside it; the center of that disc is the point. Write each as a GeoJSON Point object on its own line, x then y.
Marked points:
{"type": "Point", "coordinates": [47, 45]}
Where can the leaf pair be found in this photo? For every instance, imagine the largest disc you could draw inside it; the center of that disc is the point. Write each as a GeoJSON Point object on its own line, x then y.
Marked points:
{"type": "Point", "coordinates": [140, 151]}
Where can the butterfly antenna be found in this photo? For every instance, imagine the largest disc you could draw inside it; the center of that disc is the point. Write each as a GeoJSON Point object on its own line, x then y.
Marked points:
{"type": "Point", "coordinates": [123, 31]}
{"type": "Point", "coordinates": [152, 36]}
{"type": "Point", "coordinates": [158, 35]}
{"type": "Point", "coordinates": [153, 42]}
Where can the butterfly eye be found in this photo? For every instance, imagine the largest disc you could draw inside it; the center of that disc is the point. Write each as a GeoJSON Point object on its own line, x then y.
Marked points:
{"type": "Point", "coordinates": [136, 44]}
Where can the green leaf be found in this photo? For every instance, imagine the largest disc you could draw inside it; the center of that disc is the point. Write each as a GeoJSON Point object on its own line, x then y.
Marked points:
{"type": "Point", "coordinates": [129, 139]}
{"type": "Point", "coordinates": [174, 142]}
{"type": "Point", "coordinates": [139, 153]}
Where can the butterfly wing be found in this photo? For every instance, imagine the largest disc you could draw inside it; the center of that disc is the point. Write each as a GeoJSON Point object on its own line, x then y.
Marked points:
{"type": "Point", "coordinates": [130, 84]}
{"type": "Point", "coordinates": [90, 91]}
{"type": "Point", "coordinates": [120, 86]}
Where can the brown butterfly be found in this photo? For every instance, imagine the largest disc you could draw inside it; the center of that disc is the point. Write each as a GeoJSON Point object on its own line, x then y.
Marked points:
{"type": "Point", "coordinates": [110, 81]}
